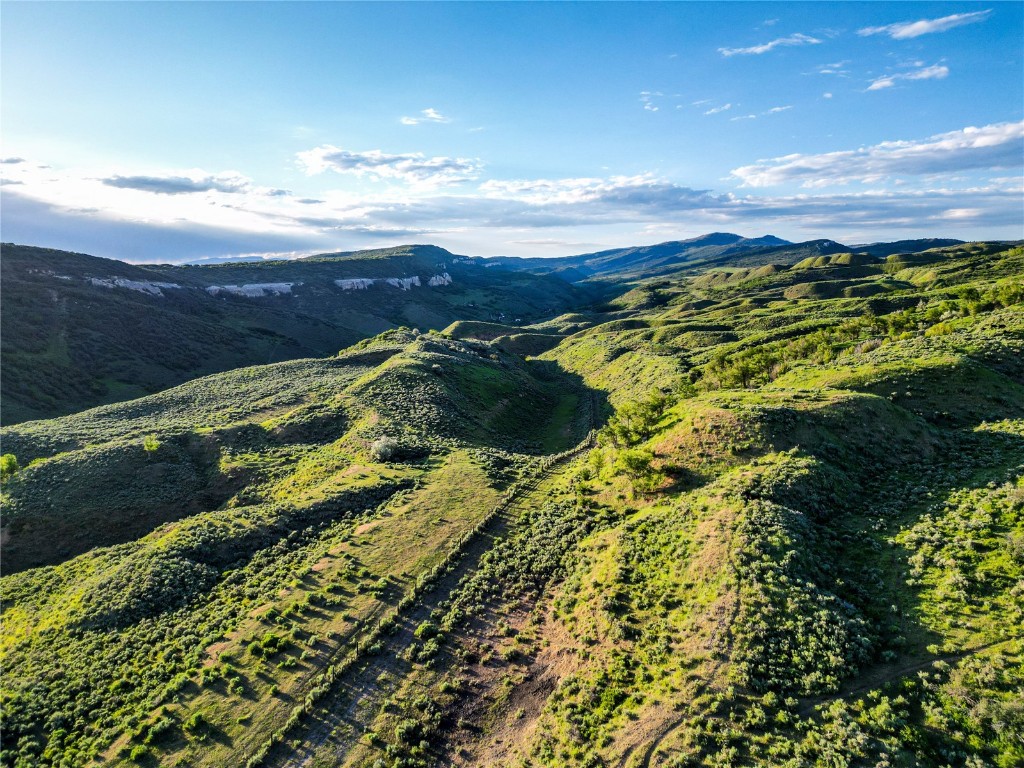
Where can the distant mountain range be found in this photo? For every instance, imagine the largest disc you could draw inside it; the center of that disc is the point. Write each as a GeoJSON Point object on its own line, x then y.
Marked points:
{"type": "Point", "coordinates": [645, 259]}
{"type": "Point", "coordinates": [79, 331]}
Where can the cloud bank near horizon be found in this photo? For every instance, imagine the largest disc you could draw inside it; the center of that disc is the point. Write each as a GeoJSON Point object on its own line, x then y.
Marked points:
{"type": "Point", "coordinates": [962, 189]}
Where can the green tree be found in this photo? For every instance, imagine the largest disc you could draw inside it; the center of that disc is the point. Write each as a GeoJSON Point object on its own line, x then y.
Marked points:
{"type": "Point", "coordinates": [150, 444]}
{"type": "Point", "coordinates": [637, 466]}
{"type": "Point", "coordinates": [8, 466]}
{"type": "Point", "coordinates": [635, 422]}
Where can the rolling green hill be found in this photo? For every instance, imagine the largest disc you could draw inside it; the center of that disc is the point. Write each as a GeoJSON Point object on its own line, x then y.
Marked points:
{"type": "Point", "coordinates": [767, 515]}
{"type": "Point", "coordinates": [79, 331]}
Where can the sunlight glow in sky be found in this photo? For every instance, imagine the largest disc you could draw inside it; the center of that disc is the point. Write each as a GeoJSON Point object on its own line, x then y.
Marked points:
{"type": "Point", "coordinates": [177, 131]}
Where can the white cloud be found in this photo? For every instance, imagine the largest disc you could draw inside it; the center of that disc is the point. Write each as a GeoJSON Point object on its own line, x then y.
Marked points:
{"type": "Point", "coordinates": [794, 39]}
{"type": "Point", "coordinates": [555, 242]}
{"type": "Point", "coordinates": [76, 209]}
{"type": "Point", "coordinates": [186, 183]}
{"type": "Point", "coordinates": [492, 219]}
{"type": "Point", "coordinates": [1000, 145]}
{"type": "Point", "coordinates": [826, 95]}
{"type": "Point", "coordinates": [647, 97]}
{"type": "Point", "coordinates": [413, 168]}
{"type": "Point", "coordinates": [428, 115]}
{"type": "Point", "coordinates": [835, 68]}
{"type": "Point", "coordinates": [963, 213]}
{"type": "Point", "coordinates": [934, 72]}
{"type": "Point", "coordinates": [910, 29]}
{"type": "Point", "coordinates": [772, 111]}
{"type": "Point", "coordinates": [716, 110]}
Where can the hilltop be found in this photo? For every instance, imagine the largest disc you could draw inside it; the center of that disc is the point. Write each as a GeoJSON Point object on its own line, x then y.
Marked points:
{"type": "Point", "coordinates": [710, 520]}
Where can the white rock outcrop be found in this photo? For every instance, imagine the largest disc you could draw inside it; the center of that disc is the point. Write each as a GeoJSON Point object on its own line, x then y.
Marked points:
{"type": "Point", "coordinates": [402, 283]}
{"type": "Point", "coordinates": [355, 283]}
{"type": "Point", "coordinates": [142, 286]}
{"type": "Point", "coordinates": [252, 290]}
{"type": "Point", "coordinates": [443, 279]}
{"type": "Point", "coordinates": [405, 283]}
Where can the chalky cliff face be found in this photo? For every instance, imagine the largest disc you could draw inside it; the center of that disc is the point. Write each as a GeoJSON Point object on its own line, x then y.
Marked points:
{"type": "Point", "coordinates": [710, 519]}
{"type": "Point", "coordinates": [402, 283]}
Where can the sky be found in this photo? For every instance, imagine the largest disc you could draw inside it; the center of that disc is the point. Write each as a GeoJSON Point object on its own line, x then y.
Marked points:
{"type": "Point", "coordinates": [170, 132]}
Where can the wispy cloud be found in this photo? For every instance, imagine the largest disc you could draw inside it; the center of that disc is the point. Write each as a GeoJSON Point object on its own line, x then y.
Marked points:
{"type": "Point", "coordinates": [555, 242]}
{"type": "Point", "coordinates": [413, 168]}
{"type": "Point", "coordinates": [1000, 145]}
{"type": "Point", "coordinates": [835, 68]}
{"type": "Point", "coordinates": [184, 184]}
{"type": "Point", "coordinates": [934, 72]}
{"type": "Point", "coordinates": [772, 111]}
{"type": "Point", "coordinates": [619, 190]}
{"type": "Point", "coordinates": [794, 39]}
{"type": "Point", "coordinates": [12, 160]}
{"type": "Point", "coordinates": [428, 115]}
{"type": "Point", "coordinates": [716, 110]}
{"type": "Point", "coordinates": [906, 30]}
{"type": "Point", "coordinates": [74, 209]}
{"type": "Point", "coordinates": [647, 99]}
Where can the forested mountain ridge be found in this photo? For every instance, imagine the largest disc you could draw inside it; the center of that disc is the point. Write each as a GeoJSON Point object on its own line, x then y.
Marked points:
{"type": "Point", "coordinates": [712, 521]}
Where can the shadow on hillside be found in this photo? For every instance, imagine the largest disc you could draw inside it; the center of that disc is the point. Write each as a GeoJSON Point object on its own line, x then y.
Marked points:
{"type": "Point", "coordinates": [591, 406]}
{"type": "Point", "coordinates": [897, 498]}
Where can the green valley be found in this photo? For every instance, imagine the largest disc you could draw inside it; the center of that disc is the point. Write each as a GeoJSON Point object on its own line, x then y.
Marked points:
{"type": "Point", "coordinates": [727, 503]}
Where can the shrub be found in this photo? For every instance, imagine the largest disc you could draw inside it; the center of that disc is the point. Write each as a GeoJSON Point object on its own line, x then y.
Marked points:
{"type": "Point", "coordinates": [384, 449]}
{"type": "Point", "coordinates": [8, 466]}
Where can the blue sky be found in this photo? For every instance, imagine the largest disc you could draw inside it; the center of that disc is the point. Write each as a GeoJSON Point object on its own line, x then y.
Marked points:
{"type": "Point", "coordinates": [175, 131]}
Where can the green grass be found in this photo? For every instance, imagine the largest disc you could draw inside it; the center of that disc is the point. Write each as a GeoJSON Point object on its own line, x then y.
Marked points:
{"type": "Point", "coordinates": [69, 344]}
{"type": "Point", "coordinates": [797, 539]}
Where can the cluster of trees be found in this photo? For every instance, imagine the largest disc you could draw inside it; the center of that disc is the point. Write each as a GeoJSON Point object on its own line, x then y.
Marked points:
{"type": "Point", "coordinates": [632, 424]}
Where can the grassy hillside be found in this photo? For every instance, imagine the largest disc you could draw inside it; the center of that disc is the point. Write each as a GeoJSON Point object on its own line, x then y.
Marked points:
{"type": "Point", "coordinates": [796, 539]}
{"type": "Point", "coordinates": [644, 260]}
{"type": "Point", "coordinates": [78, 331]}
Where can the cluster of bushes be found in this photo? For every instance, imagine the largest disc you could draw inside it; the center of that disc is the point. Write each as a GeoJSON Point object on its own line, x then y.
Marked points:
{"type": "Point", "coordinates": [214, 401]}
{"type": "Point", "coordinates": [750, 367]}
{"type": "Point", "coordinates": [146, 612]}
{"type": "Point", "coordinates": [793, 635]}
{"type": "Point", "coordinates": [369, 642]}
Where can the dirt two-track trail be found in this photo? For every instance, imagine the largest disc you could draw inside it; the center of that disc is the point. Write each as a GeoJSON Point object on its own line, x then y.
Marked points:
{"type": "Point", "coordinates": [334, 727]}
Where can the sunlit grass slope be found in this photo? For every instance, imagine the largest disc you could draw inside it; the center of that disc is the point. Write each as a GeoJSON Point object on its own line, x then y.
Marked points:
{"type": "Point", "coordinates": [797, 539]}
